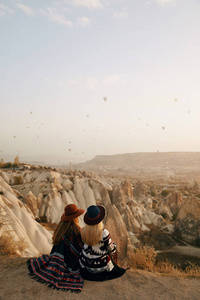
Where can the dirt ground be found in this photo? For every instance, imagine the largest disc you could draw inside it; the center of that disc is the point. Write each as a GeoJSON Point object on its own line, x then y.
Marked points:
{"type": "Point", "coordinates": [15, 284]}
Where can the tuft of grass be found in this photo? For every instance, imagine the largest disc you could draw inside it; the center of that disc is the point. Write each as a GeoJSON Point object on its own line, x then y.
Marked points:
{"type": "Point", "coordinates": [193, 270]}
{"type": "Point", "coordinates": [9, 246]}
{"type": "Point", "coordinates": [166, 268]}
{"type": "Point", "coordinates": [165, 193]}
{"type": "Point", "coordinates": [18, 180]}
{"type": "Point", "coordinates": [144, 257]}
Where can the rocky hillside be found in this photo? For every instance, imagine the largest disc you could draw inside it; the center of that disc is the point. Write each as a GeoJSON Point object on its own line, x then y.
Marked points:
{"type": "Point", "coordinates": [166, 163]}
{"type": "Point", "coordinates": [137, 212]}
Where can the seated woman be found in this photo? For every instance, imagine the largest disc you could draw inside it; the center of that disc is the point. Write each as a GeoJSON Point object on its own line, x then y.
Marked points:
{"type": "Point", "coordinates": [61, 268]}
{"type": "Point", "coordinates": [95, 261]}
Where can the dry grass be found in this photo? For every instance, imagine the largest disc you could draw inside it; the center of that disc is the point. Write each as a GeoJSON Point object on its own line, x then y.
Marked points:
{"type": "Point", "coordinates": [166, 268]}
{"type": "Point", "coordinates": [9, 246]}
{"type": "Point", "coordinates": [193, 270]}
{"type": "Point", "coordinates": [144, 257]}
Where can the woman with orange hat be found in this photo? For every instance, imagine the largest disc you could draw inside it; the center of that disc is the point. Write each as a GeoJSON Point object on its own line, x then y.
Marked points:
{"type": "Point", "coordinates": [61, 268]}
{"type": "Point", "coordinates": [96, 257]}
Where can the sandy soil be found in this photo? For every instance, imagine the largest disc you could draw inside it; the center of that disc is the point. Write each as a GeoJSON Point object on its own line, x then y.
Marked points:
{"type": "Point", "coordinates": [134, 284]}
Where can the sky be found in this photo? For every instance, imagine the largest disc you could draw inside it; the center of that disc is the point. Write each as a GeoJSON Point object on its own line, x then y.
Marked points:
{"type": "Point", "coordinates": [80, 78]}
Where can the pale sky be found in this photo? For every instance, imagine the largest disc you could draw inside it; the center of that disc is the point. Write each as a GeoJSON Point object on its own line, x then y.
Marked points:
{"type": "Point", "coordinates": [80, 78]}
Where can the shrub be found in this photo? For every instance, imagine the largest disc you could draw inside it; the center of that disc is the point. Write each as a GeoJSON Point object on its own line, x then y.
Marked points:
{"type": "Point", "coordinates": [18, 179]}
{"type": "Point", "coordinates": [11, 247]}
{"type": "Point", "coordinates": [144, 257]}
{"type": "Point", "coordinates": [193, 270]}
{"type": "Point", "coordinates": [165, 267]}
{"type": "Point", "coordinates": [165, 193]}
{"type": "Point", "coordinates": [153, 193]}
{"type": "Point", "coordinates": [8, 165]}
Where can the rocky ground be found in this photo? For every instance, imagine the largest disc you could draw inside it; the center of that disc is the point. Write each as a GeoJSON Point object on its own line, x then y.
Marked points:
{"type": "Point", "coordinates": [15, 284]}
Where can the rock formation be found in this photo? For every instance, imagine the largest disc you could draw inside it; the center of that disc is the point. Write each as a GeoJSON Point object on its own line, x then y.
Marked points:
{"type": "Point", "coordinates": [139, 189]}
{"type": "Point", "coordinates": [174, 201]}
{"type": "Point", "coordinates": [187, 223]}
{"type": "Point", "coordinates": [131, 214]}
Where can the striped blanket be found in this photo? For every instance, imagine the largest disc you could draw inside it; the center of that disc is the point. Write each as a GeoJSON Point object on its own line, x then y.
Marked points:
{"type": "Point", "coordinates": [60, 269]}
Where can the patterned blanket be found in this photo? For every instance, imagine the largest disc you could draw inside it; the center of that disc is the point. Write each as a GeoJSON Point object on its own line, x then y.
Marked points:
{"type": "Point", "coordinates": [60, 269]}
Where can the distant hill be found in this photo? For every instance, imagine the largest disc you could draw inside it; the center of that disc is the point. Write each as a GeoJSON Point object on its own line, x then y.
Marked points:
{"type": "Point", "coordinates": [145, 162]}
{"type": "Point", "coordinates": [43, 160]}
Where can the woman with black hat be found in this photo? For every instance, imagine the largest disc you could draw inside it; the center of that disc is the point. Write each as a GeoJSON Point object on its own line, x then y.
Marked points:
{"type": "Point", "coordinates": [61, 268]}
{"type": "Point", "coordinates": [95, 260]}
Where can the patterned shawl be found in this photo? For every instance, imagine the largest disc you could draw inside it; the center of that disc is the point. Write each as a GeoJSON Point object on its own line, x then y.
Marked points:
{"type": "Point", "coordinates": [60, 269]}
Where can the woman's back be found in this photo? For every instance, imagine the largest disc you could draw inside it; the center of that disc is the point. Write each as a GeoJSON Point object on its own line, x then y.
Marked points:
{"type": "Point", "coordinates": [69, 247]}
{"type": "Point", "coordinates": [95, 258]}
{"type": "Point", "coordinates": [61, 268]}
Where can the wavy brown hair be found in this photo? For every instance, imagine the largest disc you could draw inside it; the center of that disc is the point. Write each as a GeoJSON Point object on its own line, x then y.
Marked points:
{"type": "Point", "coordinates": [63, 227]}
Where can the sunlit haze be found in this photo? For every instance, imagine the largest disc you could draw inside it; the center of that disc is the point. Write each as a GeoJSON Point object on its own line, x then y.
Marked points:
{"type": "Point", "coordinates": [81, 78]}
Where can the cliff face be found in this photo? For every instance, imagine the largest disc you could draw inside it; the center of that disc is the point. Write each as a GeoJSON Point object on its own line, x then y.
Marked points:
{"type": "Point", "coordinates": [187, 224]}
{"type": "Point", "coordinates": [132, 213]}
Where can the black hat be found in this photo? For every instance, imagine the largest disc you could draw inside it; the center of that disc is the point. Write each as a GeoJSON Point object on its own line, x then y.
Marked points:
{"type": "Point", "coordinates": [94, 214]}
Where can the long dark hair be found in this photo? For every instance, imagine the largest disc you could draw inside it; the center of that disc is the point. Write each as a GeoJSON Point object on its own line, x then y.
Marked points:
{"type": "Point", "coordinates": [63, 227]}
